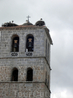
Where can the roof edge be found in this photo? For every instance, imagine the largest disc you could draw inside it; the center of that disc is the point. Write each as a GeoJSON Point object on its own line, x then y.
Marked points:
{"type": "Point", "coordinates": [48, 34]}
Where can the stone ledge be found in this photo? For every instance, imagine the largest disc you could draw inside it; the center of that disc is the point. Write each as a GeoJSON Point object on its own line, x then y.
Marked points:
{"type": "Point", "coordinates": [21, 82]}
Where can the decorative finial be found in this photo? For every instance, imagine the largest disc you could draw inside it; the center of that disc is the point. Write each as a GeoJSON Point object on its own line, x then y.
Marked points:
{"type": "Point", "coordinates": [28, 17]}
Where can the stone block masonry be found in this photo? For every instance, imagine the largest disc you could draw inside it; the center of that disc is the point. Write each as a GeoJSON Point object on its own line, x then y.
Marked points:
{"type": "Point", "coordinates": [39, 87]}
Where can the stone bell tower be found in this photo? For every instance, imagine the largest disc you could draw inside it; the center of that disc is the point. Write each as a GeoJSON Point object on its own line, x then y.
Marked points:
{"type": "Point", "coordinates": [25, 60]}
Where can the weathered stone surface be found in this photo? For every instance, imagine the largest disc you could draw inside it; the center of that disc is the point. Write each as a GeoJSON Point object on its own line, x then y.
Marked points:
{"type": "Point", "coordinates": [37, 60]}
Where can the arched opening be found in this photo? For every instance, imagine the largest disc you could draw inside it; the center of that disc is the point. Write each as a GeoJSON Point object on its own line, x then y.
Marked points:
{"type": "Point", "coordinates": [30, 43]}
{"type": "Point", "coordinates": [29, 74]}
{"type": "Point", "coordinates": [14, 74]}
{"type": "Point", "coordinates": [15, 43]}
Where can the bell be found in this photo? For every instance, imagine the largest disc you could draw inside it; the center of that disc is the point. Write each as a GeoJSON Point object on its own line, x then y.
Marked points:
{"type": "Point", "coordinates": [30, 44]}
{"type": "Point", "coordinates": [15, 45]}
{"type": "Point", "coordinates": [15, 41]}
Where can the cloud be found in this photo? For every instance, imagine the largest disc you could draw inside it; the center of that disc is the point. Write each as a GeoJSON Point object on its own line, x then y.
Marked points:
{"type": "Point", "coordinates": [62, 93]}
{"type": "Point", "coordinates": [58, 16]}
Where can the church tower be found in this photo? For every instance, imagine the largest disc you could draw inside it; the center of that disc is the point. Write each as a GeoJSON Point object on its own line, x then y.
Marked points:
{"type": "Point", "coordinates": [25, 60]}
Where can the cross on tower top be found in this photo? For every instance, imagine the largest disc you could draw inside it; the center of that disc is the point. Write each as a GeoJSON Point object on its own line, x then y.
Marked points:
{"type": "Point", "coordinates": [28, 17]}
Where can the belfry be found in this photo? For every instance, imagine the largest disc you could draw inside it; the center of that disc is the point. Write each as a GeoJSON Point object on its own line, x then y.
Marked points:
{"type": "Point", "coordinates": [25, 60]}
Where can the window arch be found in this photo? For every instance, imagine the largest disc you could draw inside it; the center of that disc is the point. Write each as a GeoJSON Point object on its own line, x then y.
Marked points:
{"type": "Point", "coordinates": [15, 43]}
{"type": "Point", "coordinates": [14, 76]}
{"type": "Point", "coordinates": [30, 42]}
{"type": "Point", "coordinates": [29, 74]}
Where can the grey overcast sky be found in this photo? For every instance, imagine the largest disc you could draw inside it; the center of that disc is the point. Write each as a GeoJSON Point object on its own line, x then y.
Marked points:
{"type": "Point", "coordinates": [58, 16]}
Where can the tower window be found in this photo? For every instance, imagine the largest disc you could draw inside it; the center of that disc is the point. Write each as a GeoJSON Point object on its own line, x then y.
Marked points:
{"type": "Point", "coordinates": [15, 43]}
{"type": "Point", "coordinates": [29, 74]}
{"type": "Point", "coordinates": [14, 75]}
{"type": "Point", "coordinates": [30, 43]}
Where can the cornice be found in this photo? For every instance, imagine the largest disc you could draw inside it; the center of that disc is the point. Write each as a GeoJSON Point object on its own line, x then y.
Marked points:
{"type": "Point", "coordinates": [21, 27]}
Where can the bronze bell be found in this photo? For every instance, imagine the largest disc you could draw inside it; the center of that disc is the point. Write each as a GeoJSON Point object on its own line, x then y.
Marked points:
{"type": "Point", "coordinates": [30, 44]}
{"type": "Point", "coordinates": [15, 43]}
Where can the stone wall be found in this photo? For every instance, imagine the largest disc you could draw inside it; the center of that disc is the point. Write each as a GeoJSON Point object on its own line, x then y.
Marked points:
{"type": "Point", "coordinates": [23, 90]}
{"type": "Point", "coordinates": [37, 64]}
{"type": "Point", "coordinates": [37, 61]}
{"type": "Point", "coordinates": [6, 42]}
